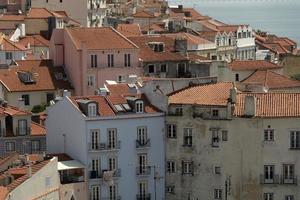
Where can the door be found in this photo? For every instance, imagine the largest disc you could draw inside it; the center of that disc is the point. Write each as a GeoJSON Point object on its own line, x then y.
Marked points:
{"type": "Point", "coordinates": [269, 173]}
{"type": "Point", "coordinates": [22, 126]}
{"type": "Point", "coordinates": [112, 138]}
{"type": "Point", "coordinates": [95, 140]}
{"type": "Point", "coordinates": [142, 163]}
{"type": "Point", "coordinates": [142, 135]}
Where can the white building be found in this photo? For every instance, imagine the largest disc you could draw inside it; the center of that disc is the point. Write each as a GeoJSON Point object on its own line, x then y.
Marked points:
{"type": "Point", "coordinates": [119, 137]}
{"type": "Point", "coordinates": [89, 13]}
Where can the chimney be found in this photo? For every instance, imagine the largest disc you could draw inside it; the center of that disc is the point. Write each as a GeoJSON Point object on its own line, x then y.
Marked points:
{"type": "Point", "coordinates": [66, 93]}
{"type": "Point", "coordinates": [29, 171]}
{"type": "Point", "coordinates": [21, 103]}
{"type": "Point", "coordinates": [180, 7]}
{"type": "Point", "coordinates": [250, 106]}
{"type": "Point", "coordinates": [233, 92]}
{"type": "Point", "coordinates": [181, 46]}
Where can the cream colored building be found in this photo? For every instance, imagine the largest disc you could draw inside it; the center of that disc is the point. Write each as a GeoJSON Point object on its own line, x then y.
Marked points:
{"type": "Point", "coordinates": [223, 144]}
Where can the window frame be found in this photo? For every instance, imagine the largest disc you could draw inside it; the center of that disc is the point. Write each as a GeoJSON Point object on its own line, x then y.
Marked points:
{"type": "Point", "coordinates": [10, 142]}
{"type": "Point", "coordinates": [171, 130]}
{"type": "Point", "coordinates": [92, 110]}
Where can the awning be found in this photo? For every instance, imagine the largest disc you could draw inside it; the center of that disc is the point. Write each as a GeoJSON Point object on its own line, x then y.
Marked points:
{"type": "Point", "coordinates": [70, 164]}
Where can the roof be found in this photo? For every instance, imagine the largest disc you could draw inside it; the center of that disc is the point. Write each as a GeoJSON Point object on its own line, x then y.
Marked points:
{"type": "Point", "coordinates": [143, 14]}
{"type": "Point", "coordinates": [192, 39]}
{"type": "Point", "coordinates": [45, 76]}
{"type": "Point", "coordinates": [271, 80]}
{"type": "Point", "coordinates": [34, 40]}
{"type": "Point", "coordinates": [209, 95]}
{"type": "Point", "coordinates": [12, 17]}
{"type": "Point", "coordinates": [148, 55]}
{"type": "Point", "coordinates": [100, 38]}
{"type": "Point", "coordinates": [129, 30]}
{"type": "Point", "coordinates": [8, 45]}
{"type": "Point", "coordinates": [239, 65]}
{"type": "Point", "coordinates": [270, 105]}
{"type": "Point", "coordinates": [41, 13]}
{"type": "Point", "coordinates": [70, 164]}
{"type": "Point", "coordinates": [187, 13]}
{"type": "Point", "coordinates": [61, 156]}
{"type": "Point", "coordinates": [13, 111]}
{"type": "Point", "coordinates": [3, 192]}
{"type": "Point", "coordinates": [37, 129]}
{"type": "Point", "coordinates": [157, 27]}
{"type": "Point", "coordinates": [7, 157]}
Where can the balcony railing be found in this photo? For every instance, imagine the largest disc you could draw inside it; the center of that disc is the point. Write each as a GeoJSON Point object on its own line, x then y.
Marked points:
{"type": "Point", "coordinates": [289, 180]}
{"type": "Point", "coordinates": [95, 174]}
{"type": "Point", "coordinates": [143, 170]}
{"type": "Point", "coordinates": [143, 196]}
{"type": "Point", "coordinates": [274, 180]}
{"type": "Point", "coordinates": [143, 144]}
{"type": "Point", "coordinates": [104, 146]}
{"type": "Point", "coordinates": [101, 174]}
{"type": "Point", "coordinates": [23, 131]}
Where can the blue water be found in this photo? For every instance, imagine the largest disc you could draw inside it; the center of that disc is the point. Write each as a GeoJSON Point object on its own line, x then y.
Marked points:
{"type": "Point", "coordinates": [281, 17]}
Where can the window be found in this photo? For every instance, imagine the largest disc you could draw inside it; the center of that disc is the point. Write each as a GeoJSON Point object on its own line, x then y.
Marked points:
{"type": "Point", "coordinates": [142, 135]}
{"type": "Point", "coordinates": [178, 111]}
{"type": "Point", "coordinates": [163, 68]}
{"type": "Point", "coordinates": [224, 135]}
{"type": "Point", "coordinates": [187, 137]}
{"type": "Point", "coordinates": [171, 130]}
{"type": "Point", "coordinates": [218, 41]}
{"type": "Point", "coordinates": [91, 80]}
{"type": "Point", "coordinates": [248, 34]}
{"type": "Point", "coordinates": [112, 138]}
{"type": "Point", "coordinates": [289, 197]}
{"type": "Point", "coordinates": [237, 77]}
{"type": "Point", "coordinates": [139, 107]}
{"type": "Point", "coordinates": [93, 61]}
{"type": "Point", "coordinates": [151, 69]}
{"type": "Point", "coordinates": [239, 35]}
{"type": "Point", "coordinates": [49, 97]}
{"type": "Point", "coordinates": [95, 167]}
{"type": "Point", "coordinates": [35, 145]}
{"type": "Point", "coordinates": [110, 60]}
{"type": "Point", "coordinates": [187, 167]}
{"type": "Point", "coordinates": [288, 171]}
{"type": "Point", "coordinates": [127, 60]}
{"type": "Point", "coordinates": [26, 99]}
{"type": "Point", "coordinates": [217, 170]}
{"type": "Point", "coordinates": [142, 189]}
{"type": "Point", "coordinates": [113, 192]}
{"type": "Point", "coordinates": [142, 163]}
{"type": "Point", "coordinates": [8, 56]}
{"type": "Point", "coordinates": [218, 193]}
{"type": "Point", "coordinates": [229, 41]}
{"type": "Point", "coordinates": [269, 173]}
{"type": "Point", "coordinates": [171, 166]}
{"type": "Point", "coordinates": [170, 189]}
{"type": "Point", "coordinates": [95, 193]}
{"type": "Point", "coordinates": [268, 196]}
{"type": "Point", "coordinates": [10, 146]}
{"type": "Point", "coordinates": [215, 113]}
{"type": "Point", "coordinates": [92, 110]}
{"type": "Point", "coordinates": [215, 138]}
{"type": "Point", "coordinates": [112, 164]}
{"type": "Point", "coordinates": [269, 135]}
{"type": "Point", "coordinates": [22, 127]}
{"type": "Point", "coordinates": [94, 140]}
{"type": "Point", "coordinates": [295, 140]}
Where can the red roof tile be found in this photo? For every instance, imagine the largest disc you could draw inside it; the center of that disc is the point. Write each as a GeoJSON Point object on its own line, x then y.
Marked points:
{"type": "Point", "coordinates": [41, 13]}
{"type": "Point", "coordinates": [143, 14]}
{"type": "Point", "coordinates": [37, 129]}
{"type": "Point", "coordinates": [3, 192]}
{"type": "Point", "coordinates": [270, 105]}
{"type": "Point", "coordinates": [239, 65]}
{"type": "Point", "coordinates": [210, 95]}
{"type": "Point", "coordinates": [129, 30]}
{"type": "Point", "coordinates": [34, 40]}
{"type": "Point", "coordinates": [12, 17]}
{"type": "Point", "coordinates": [8, 45]}
{"type": "Point", "coordinates": [192, 39]}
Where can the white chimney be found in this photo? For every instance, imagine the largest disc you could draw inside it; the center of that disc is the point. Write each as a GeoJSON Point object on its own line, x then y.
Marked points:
{"type": "Point", "coordinates": [29, 171]}
{"type": "Point", "coordinates": [66, 93]}
{"type": "Point", "coordinates": [233, 92]}
{"type": "Point", "coordinates": [250, 106]}
{"type": "Point", "coordinates": [21, 103]}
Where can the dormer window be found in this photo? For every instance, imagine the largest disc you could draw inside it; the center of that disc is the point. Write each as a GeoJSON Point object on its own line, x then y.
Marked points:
{"type": "Point", "coordinates": [92, 110]}
{"type": "Point", "coordinates": [139, 107]}
{"type": "Point", "coordinates": [156, 46]}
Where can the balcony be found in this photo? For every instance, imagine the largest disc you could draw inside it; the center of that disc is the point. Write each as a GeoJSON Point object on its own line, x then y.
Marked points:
{"type": "Point", "coordinates": [23, 131]}
{"type": "Point", "coordinates": [143, 170]}
{"type": "Point", "coordinates": [102, 174]}
{"type": "Point", "coordinates": [146, 196]}
{"type": "Point", "coordinates": [274, 180]}
{"type": "Point", "coordinates": [289, 180]}
{"type": "Point", "coordinates": [143, 144]}
{"type": "Point", "coordinates": [104, 146]}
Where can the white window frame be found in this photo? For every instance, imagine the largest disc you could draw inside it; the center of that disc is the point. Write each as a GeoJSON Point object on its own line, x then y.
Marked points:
{"type": "Point", "coordinates": [269, 135]}
{"type": "Point", "coordinates": [269, 196]}
{"type": "Point", "coordinates": [112, 138]}
{"type": "Point", "coordinates": [95, 194]}
{"type": "Point", "coordinates": [171, 130]}
{"type": "Point", "coordinates": [188, 136]}
{"type": "Point", "coordinates": [10, 149]}
{"type": "Point", "coordinates": [112, 163]}
{"type": "Point", "coordinates": [92, 110]}
{"type": "Point", "coordinates": [90, 80]}
{"type": "Point", "coordinates": [142, 135]}
{"type": "Point", "coordinates": [139, 106]}
{"type": "Point", "coordinates": [171, 166]}
{"type": "Point", "coordinates": [35, 145]}
{"type": "Point", "coordinates": [295, 139]}
{"type": "Point", "coordinates": [187, 167]}
{"type": "Point", "coordinates": [217, 193]}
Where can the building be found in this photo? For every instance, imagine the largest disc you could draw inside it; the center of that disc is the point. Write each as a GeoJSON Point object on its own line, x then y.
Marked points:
{"type": "Point", "coordinates": [19, 133]}
{"type": "Point", "coordinates": [37, 82]}
{"type": "Point", "coordinates": [89, 13]}
{"type": "Point", "coordinates": [93, 55]}
{"type": "Point", "coordinates": [226, 144]}
{"type": "Point", "coordinates": [13, 6]}
{"type": "Point", "coordinates": [120, 137]}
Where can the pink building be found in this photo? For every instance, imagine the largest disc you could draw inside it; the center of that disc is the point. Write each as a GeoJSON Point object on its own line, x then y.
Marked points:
{"type": "Point", "coordinates": [93, 55]}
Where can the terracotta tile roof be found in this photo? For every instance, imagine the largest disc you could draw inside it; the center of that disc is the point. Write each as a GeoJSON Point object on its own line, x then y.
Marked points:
{"type": "Point", "coordinates": [99, 38]}
{"type": "Point", "coordinates": [156, 27]}
{"type": "Point", "coordinates": [209, 95]}
{"type": "Point", "coordinates": [228, 28]}
{"type": "Point", "coordinates": [239, 65]}
{"type": "Point", "coordinates": [3, 192]}
{"type": "Point", "coordinates": [8, 157]}
{"type": "Point", "coordinates": [60, 156]}
{"type": "Point", "coordinates": [17, 171]}
{"type": "Point", "coordinates": [188, 13]}
{"type": "Point", "coordinates": [12, 17]}
{"type": "Point", "coordinates": [44, 75]}
{"type": "Point", "coordinates": [129, 30]}
{"type": "Point", "coordinates": [34, 40]}
{"type": "Point", "coordinates": [41, 13]}
{"type": "Point", "coordinates": [143, 14]}
{"type": "Point", "coordinates": [271, 80]}
{"type": "Point", "coordinates": [198, 59]}
{"type": "Point", "coordinates": [37, 129]}
{"type": "Point", "coordinates": [148, 55]}
{"type": "Point", "coordinates": [117, 89]}
{"type": "Point", "coordinates": [192, 39]}
{"type": "Point", "coordinates": [13, 111]}
{"type": "Point", "coordinates": [8, 45]}
{"type": "Point", "coordinates": [270, 105]}
{"type": "Point", "coordinates": [34, 169]}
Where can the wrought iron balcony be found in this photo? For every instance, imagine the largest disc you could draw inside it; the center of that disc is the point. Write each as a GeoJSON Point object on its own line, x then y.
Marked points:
{"type": "Point", "coordinates": [143, 144]}
{"type": "Point", "coordinates": [143, 170]}
{"type": "Point", "coordinates": [146, 196]}
{"type": "Point", "coordinates": [274, 180]}
{"type": "Point", "coordinates": [101, 174]}
{"type": "Point", "coordinates": [293, 180]}
{"type": "Point", "coordinates": [104, 146]}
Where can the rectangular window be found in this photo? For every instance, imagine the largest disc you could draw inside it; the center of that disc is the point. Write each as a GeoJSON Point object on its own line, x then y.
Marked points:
{"type": "Point", "coordinates": [187, 137]}
{"type": "Point", "coordinates": [178, 111]}
{"type": "Point", "coordinates": [151, 69]}
{"type": "Point", "coordinates": [142, 189]}
{"type": "Point", "coordinates": [110, 60]}
{"type": "Point", "coordinates": [215, 138]}
{"type": "Point", "coordinates": [218, 193]}
{"type": "Point", "coordinates": [92, 110]}
{"type": "Point", "coordinates": [224, 135]}
{"type": "Point", "coordinates": [139, 107]}
{"type": "Point", "coordinates": [112, 164]}
{"type": "Point", "coordinates": [10, 146]}
{"type": "Point", "coordinates": [288, 171]}
{"type": "Point", "coordinates": [217, 170]}
{"type": "Point", "coordinates": [95, 140]}
{"type": "Point", "coordinates": [295, 140]}
{"type": "Point", "coordinates": [35, 145]}
{"type": "Point", "coordinates": [93, 61]}
{"type": "Point", "coordinates": [187, 167]}
{"type": "Point", "coordinates": [22, 127]}
{"type": "Point", "coordinates": [163, 68]}
{"type": "Point", "coordinates": [289, 197]}
{"type": "Point", "coordinates": [127, 60]}
{"type": "Point", "coordinates": [171, 166]}
{"type": "Point", "coordinates": [215, 113]}
{"type": "Point", "coordinates": [142, 135]}
{"type": "Point", "coordinates": [171, 131]}
{"type": "Point", "coordinates": [95, 167]}
{"type": "Point", "coordinates": [142, 163]}
{"type": "Point", "coordinates": [269, 173]}
{"type": "Point", "coordinates": [8, 56]}
{"type": "Point", "coordinates": [268, 196]}
{"type": "Point", "coordinates": [95, 193]}
{"type": "Point", "coordinates": [26, 99]}
{"type": "Point", "coordinates": [113, 194]}
{"type": "Point", "coordinates": [91, 80]}
{"type": "Point", "coordinates": [269, 135]}
{"type": "Point", "coordinates": [49, 97]}
{"type": "Point", "coordinates": [112, 138]}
